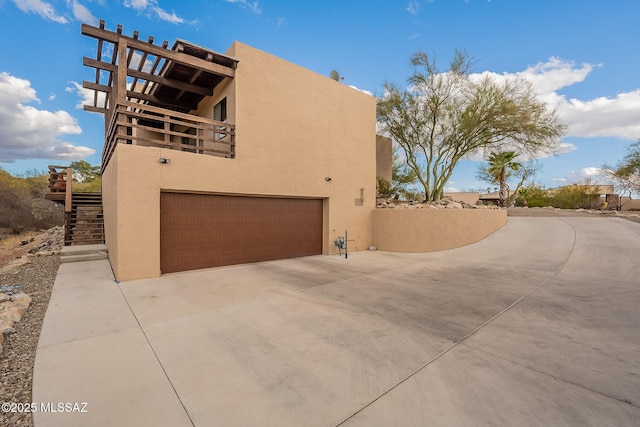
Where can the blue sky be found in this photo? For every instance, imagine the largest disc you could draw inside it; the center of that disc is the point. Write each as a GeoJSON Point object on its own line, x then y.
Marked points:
{"type": "Point", "coordinates": [581, 55]}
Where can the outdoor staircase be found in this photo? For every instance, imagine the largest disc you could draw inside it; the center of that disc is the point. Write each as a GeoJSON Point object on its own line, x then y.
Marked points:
{"type": "Point", "coordinates": [85, 222]}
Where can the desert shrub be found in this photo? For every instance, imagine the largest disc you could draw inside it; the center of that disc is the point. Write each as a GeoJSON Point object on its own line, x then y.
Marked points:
{"type": "Point", "coordinates": [577, 196]}
{"type": "Point", "coordinates": [570, 197]}
{"type": "Point", "coordinates": [22, 204]}
{"type": "Point", "coordinates": [91, 186]}
{"type": "Point", "coordinates": [401, 191]}
{"type": "Point", "coordinates": [15, 209]}
{"type": "Point", "coordinates": [534, 197]}
{"type": "Point", "coordinates": [46, 214]}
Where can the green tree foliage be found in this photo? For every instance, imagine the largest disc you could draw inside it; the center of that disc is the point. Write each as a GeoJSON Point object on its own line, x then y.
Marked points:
{"type": "Point", "coordinates": [534, 197]}
{"type": "Point", "coordinates": [402, 180]}
{"type": "Point", "coordinates": [383, 188]}
{"type": "Point", "coordinates": [86, 178]}
{"type": "Point", "coordinates": [83, 171]}
{"type": "Point", "coordinates": [443, 117]}
{"type": "Point", "coordinates": [626, 173]}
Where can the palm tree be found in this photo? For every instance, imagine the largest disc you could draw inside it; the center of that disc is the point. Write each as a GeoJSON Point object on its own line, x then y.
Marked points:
{"type": "Point", "coordinates": [501, 166]}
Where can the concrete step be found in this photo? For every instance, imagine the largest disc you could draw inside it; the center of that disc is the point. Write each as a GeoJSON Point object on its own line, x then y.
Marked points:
{"type": "Point", "coordinates": [84, 257]}
{"type": "Point", "coordinates": [84, 253]}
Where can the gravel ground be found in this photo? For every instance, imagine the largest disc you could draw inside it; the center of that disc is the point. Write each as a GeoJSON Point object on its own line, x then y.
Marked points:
{"type": "Point", "coordinates": [36, 279]}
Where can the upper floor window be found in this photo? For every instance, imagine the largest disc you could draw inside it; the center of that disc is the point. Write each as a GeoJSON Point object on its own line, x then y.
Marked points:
{"type": "Point", "coordinates": [220, 115]}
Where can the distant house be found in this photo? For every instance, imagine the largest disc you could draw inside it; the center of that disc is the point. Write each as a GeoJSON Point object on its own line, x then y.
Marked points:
{"type": "Point", "coordinates": [215, 159]}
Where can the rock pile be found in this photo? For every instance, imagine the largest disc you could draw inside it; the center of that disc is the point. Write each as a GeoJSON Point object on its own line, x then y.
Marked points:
{"type": "Point", "coordinates": [445, 203]}
{"type": "Point", "coordinates": [47, 243]}
{"type": "Point", "coordinates": [12, 309]}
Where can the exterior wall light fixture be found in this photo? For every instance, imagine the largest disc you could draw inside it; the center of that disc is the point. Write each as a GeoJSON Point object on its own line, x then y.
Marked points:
{"type": "Point", "coordinates": [327, 178]}
{"type": "Point", "coordinates": [164, 160]}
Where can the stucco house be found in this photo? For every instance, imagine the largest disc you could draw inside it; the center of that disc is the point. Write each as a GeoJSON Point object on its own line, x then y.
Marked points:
{"type": "Point", "coordinates": [214, 159]}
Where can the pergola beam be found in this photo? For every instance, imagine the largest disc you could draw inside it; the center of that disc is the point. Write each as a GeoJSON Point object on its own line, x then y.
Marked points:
{"type": "Point", "coordinates": [171, 83]}
{"type": "Point", "coordinates": [93, 109]}
{"type": "Point", "coordinates": [169, 55]}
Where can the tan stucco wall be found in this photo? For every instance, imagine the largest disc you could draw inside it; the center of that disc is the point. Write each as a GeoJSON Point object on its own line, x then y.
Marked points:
{"type": "Point", "coordinates": [384, 157]}
{"type": "Point", "coordinates": [293, 128]}
{"type": "Point", "coordinates": [427, 230]}
{"type": "Point", "coordinates": [110, 208]}
{"type": "Point", "coordinates": [628, 204]}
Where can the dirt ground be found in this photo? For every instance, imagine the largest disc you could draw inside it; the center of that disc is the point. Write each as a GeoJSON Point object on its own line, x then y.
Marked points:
{"type": "Point", "coordinates": [548, 212]}
{"type": "Point", "coordinates": [10, 247]}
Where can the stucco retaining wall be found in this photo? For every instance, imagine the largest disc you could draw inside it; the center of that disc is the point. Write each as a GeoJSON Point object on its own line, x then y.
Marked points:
{"type": "Point", "coordinates": [427, 230]}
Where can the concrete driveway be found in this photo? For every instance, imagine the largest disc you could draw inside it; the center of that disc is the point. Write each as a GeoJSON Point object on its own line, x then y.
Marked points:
{"type": "Point", "coordinates": [539, 324]}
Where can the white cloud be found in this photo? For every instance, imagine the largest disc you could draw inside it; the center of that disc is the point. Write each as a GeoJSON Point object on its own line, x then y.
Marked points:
{"type": "Point", "coordinates": [166, 16]}
{"type": "Point", "coordinates": [566, 147]}
{"type": "Point", "coordinates": [135, 62]}
{"type": "Point", "coordinates": [592, 174]}
{"type": "Point", "coordinates": [368, 92]}
{"type": "Point", "coordinates": [280, 22]}
{"type": "Point", "coordinates": [599, 117]}
{"type": "Point", "coordinates": [139, 4]}
{"type": "Point", "coordinates": [246, 4]}
{"type": "Point", "coordinates": [82, 14]}
{"type": "Point", "coordinates": [555, 74]}
{"type": "Point", "coordinates": [559, 180]}
{"type": "Point", "coordinates": [591, 171]}
{"type": "Point", "coordinates": [46, 11]}
{"type": "Point", "coordinates": [52, 97]}
{"type": "Point", "coordinates": [42, 8]}
{"type": "Point", "coordinates": [86, 95]}
{"type": "Point", "coordinates": [151, 8]}
{"type": "Point", "coordinates": [562, 148]}
{"type": "Point", "coordinates": [413, 7]}
{"type": "Point", "coordinates": [28, 132]}
{"type": "Point", "coordinates": [603, 117]}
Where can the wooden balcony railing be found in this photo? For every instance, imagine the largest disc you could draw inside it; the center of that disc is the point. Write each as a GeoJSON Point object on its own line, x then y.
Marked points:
{"type": "Point", "coordinates": [140, 124]}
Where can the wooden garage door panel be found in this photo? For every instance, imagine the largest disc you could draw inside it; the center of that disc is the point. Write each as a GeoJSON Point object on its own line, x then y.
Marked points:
{"type": "Point", "coordinates": [201, 231]}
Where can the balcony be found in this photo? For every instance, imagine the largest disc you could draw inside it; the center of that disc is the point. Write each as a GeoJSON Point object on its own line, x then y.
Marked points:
{"type": "Point", "coordinates": [145, 125]}
{"type": "Point", "coordinates": [149, 93]}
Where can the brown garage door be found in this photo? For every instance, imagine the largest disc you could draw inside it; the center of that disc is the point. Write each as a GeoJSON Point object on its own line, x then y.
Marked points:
{"type": "Point", "coordinates": [203, 230]}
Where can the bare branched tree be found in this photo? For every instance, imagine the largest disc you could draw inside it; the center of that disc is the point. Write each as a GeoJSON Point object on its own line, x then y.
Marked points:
{"type": "Point", "coordinates": [443, 117]}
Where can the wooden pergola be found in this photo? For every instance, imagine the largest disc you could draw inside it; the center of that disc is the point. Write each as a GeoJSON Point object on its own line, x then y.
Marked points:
{"type": "Point", "coordinates": [139, 85]}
